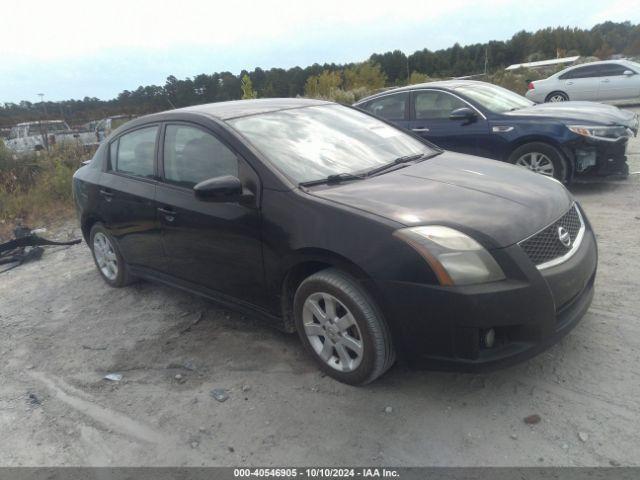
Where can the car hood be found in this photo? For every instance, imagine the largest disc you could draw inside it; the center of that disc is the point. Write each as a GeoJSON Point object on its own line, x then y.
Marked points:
{"type": "Point", "coordinates": [496, 203]}
{"type": "Point", "coordinates": [588, 113]}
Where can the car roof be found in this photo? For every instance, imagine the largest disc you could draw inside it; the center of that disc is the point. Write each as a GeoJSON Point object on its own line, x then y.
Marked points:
{"type": "Point", "coordinates": [599, 62]}
{"type": "Point", "coordinates": [38, 122]}
{"type": "Point", "coordinates": [242, 108]}
{"type": "Point", "coordinates": [443, 84]}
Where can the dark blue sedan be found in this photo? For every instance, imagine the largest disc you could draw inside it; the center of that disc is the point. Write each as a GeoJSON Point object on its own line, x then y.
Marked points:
{"type": "Point", "coordinates": [561, 140]}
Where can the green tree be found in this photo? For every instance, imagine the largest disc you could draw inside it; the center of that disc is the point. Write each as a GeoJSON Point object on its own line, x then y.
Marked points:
{"type": "Point", "coordinates": [417, 77]}
{"type": "Point", "coordinates": [323, 85]}
{"type": "Point", "coordinates": [604, 52]}
{"type": "Point", "coordinates": [247, 88]}
{"type": "Point", "coordinates": [368, 75]}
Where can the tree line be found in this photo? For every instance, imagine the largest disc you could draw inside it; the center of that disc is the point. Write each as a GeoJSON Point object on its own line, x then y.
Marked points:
{"type": "Point", "coordinates": [381, 69]}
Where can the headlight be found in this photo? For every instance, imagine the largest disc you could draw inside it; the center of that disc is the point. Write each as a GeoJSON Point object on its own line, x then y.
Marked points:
{"type": "Point", "coordinates": [456, 258]}
{"type": "Point", "coordinates": [610, 134]}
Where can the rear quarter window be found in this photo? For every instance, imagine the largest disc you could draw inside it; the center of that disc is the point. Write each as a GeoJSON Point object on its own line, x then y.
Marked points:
{"type": "Point", "coordinates": [134, 153]}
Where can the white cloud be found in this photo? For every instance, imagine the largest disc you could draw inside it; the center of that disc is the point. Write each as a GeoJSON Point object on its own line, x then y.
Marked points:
{"type": "Point", "coordinates": [73, 28]}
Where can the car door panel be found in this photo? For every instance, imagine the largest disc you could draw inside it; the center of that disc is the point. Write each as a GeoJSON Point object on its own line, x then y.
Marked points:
{"type": "Point", "coordinates": [127, 201]}
{"type": "Point", "coordinates": [615, 85]}
{"type": "Point", "coordinates": [582, 88]}
{"type": "Point", "coordinates": [214, 244]}
{"type": "Point", "coordinates": [430, 119]}
{"type": "Point", "coordinates": [581, 83]}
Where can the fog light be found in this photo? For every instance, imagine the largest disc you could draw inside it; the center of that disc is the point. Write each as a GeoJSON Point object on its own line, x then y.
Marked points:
{"type": "Point", "coordinates": [489, 338]}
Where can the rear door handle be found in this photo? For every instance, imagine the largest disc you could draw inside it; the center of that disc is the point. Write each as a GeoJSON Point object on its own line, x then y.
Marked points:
{"type": "Point", "coordinates": [107, 194]}
{"type": "Point", "coordinates": [606, 80]}
{"type": "Point", "coordinates": [420, 129]}
{"type": "Point", "coordinates": [569, 83]}
{"type": "Point", "coordinates": [169, 214]}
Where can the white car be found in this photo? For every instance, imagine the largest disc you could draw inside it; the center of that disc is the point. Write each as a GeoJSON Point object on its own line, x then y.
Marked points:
{"type": "Point", "coordinates": [34, 136]}
{"type": "Point", "coordinates": [606, 81]}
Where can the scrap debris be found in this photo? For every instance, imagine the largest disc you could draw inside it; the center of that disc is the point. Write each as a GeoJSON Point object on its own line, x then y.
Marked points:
{"type": "Point", "coordinates": [194, 323]}
{"type": "Point", "coordinates": [220, 394]}
{"type": "Point", "coordinates": [25, 247]}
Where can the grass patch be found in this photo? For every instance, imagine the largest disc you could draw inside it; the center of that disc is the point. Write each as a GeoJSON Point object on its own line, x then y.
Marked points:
{"type": "Point", "coordinates": [35, 189]}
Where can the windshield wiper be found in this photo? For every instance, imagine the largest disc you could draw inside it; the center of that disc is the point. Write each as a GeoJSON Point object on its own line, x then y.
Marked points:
{"type": "Point", "coordinates": [341, 177]}
{"type": "Point", "coordinates": [400, 161]}
{"type": "Point", "coordinates": [331, 179]}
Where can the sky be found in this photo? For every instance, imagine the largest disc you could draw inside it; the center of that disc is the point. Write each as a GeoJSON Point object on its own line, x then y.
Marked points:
{"type": "Point", "coordinates": [76, 48]}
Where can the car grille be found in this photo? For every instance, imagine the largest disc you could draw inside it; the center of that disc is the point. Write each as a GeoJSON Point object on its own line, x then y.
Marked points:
{"type": "Point", "coordinates": [545, 246]}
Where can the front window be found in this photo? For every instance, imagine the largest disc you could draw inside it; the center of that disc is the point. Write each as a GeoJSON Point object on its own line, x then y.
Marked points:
{"type": "Point", "coordinates": [312, 143]}
{"type": "Point", "coordinates": [55, 126]}
{"type": "Point", "coordinates": [36, 129]}
{"type": "Point", "coordinates": [612, 70]}
{"type": "Point", "coordinates": [192, 155]}
{"type": "Point", "coordinates": [494, 98]}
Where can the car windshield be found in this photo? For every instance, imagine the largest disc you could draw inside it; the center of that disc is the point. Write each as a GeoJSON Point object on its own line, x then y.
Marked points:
{"type": "Point", "coordinates": [634, 65]}
{"type": "Point", "coordinates": [311, 143]}
{"type": "Point", "coordinates": [494, 98]}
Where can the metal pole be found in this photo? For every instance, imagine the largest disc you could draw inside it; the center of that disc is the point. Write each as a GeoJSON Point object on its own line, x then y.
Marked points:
{"type": "Point", "coordinates": [43, 130]}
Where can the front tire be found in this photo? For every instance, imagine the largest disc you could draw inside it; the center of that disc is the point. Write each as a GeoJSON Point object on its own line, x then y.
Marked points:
{"type": "Point", "coordinates": [541, 158]}
{"type": "Point", "coordinates": [341, 328]}
{"type": "Point", "coordinates": [557, 97]}
{"type": "Point", "coordinates": [107, 257]}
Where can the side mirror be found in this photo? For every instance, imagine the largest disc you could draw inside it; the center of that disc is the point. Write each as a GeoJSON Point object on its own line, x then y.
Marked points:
{"type": "Point", "coordinates": [464, 114]}
{"type": "Point", "coordinates": [628, 73]}
{"type": "Point", "coordinates": [221, 189]}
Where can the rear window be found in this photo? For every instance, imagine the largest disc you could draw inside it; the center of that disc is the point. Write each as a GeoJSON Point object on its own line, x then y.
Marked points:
{"type": "Point", "coordinates": [389, 107]}
{"type": "Point", "coordinates": [582, 72]}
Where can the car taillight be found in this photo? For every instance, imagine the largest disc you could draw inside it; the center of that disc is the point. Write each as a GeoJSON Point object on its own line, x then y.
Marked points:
{"type": "Point", "coordinates": [530, 86]}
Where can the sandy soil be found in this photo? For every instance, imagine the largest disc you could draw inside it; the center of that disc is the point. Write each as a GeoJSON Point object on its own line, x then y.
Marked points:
{"type": "Point", "coordinates": [62, 329]}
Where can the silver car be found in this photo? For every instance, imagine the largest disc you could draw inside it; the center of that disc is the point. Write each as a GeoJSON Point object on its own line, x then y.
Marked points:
{"type": "Point", "coordinates": [607, 81]}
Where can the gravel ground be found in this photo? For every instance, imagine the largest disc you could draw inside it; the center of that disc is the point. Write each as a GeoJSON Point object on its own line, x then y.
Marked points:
{"type": "Point", "coordinates": [62, 329]}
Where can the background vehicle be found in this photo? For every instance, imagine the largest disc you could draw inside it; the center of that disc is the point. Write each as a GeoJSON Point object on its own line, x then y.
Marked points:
{"type": "Point", "coordinates": [558, 140]}
{"type": "Point", "coordinates": [105, 126]}
{"type": "Point", "coordinates": [34, 136]}
{"type": "Point", "coordinates": [606, 81]}
{"type": "Point", "coordinates": [362, 237]}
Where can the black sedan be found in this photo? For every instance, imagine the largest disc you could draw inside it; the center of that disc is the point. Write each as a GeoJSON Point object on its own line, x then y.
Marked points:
{"type": "Point", "coordinates": [562, 140]}
{"type": "Point", "coordinates": [365, 239]}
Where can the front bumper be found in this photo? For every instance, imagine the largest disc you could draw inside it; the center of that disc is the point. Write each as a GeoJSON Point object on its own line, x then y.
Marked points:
{"type": "Point", "coordinates": [441, 328]}
{"type": "Point", "coordinates": [598, 158]}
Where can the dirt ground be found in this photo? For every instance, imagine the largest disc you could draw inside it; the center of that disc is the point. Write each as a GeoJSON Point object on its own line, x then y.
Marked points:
{"type": "Point", "coordinates": [62, 329]}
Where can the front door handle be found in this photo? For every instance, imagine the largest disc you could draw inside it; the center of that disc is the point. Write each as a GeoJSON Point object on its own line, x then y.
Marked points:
{"type": "Point", "coordinates": [169, 214]}
{"type": "Point", "coordinates": [420, 129]}
{"type": "Point", "coordinates": [606, 80]}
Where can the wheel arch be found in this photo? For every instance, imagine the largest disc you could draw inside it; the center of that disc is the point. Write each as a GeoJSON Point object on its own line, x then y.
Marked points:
{"type": "Point", "coordinates": [566, 153]}
{"type": "Point", "coordinates": [87, 223]}
{"type": "Point", "coordinates": [552, 92]}
{"type": "Point", "coordinates": [306, 262]}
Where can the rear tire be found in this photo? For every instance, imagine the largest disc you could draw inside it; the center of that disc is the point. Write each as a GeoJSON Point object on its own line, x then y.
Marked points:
{"type": "Point", "coordinates": [557, 97]}
{"type": "Point", "coordinates": [107, 257]}
{"type": "Point", "coordinates": [342, 328]}
{"type": "Point", "coordinates": [541, 158]}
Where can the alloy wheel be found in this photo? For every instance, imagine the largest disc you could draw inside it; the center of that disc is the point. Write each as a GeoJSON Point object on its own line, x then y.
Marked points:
{"type": "Point", "coordinates": [332, 332]}
{"type": "Point", "coordinates": [557, 98]}
{"type": "Point", "coordinates": [105, 256]}
{"type": "Point", "coordinates": [537, 162]}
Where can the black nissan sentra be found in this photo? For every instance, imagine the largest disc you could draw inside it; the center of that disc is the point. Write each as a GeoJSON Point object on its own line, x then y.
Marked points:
{"type": "Point", "coordinates": [365, 239]}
